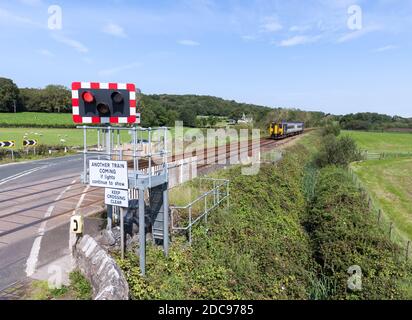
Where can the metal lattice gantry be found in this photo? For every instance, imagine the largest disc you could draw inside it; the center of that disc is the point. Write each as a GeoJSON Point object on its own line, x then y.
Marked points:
{"type": "Point", "coordinates": [147, 169]}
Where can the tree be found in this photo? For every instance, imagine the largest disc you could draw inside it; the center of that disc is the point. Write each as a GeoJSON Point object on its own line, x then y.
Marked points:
{"type": "Point", "coordinates": [337, 151]}
{"type": "Point", "coordinates": [188, 117]}
{"type": "Point", "coordinates": [53, 98]}
{"type": "Point", "coordinates": [58, 98]}
{"type": "Point", "coordinates": [9, 95]}
{"type": "Point", "coordinates": [201, 122]}
{"type": "Point", "coordinates": [212, 121]}
{"type": "Point", "coordinates": [331, 128]}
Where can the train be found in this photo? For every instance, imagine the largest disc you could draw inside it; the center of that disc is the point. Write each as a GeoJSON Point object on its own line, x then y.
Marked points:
{"type": "Point", "coordinates": [283, 129]}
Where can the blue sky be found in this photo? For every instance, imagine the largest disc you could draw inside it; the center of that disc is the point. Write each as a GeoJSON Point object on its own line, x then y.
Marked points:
{"type": "Point", "coordinates": [277, 53]}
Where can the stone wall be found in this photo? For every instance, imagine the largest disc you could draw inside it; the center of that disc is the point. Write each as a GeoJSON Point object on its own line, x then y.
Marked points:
{"type": "Point", "coordinates": [100, 269]}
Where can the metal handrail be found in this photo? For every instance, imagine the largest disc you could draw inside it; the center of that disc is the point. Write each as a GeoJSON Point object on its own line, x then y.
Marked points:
{"type": "Point", "coordinates": [217, 200]}
{"type": "Point", "coordinates": [199, 217]}
{"type": "Point", "coordinates": [201, 197]}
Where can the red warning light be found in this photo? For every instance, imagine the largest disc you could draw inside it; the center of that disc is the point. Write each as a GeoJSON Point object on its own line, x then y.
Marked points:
{"type": "Point", "coordinates": [88, 97]}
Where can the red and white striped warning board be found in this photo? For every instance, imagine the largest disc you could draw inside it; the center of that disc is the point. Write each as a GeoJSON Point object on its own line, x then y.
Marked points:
{"type": "Point", "coordinates": [79, 115]}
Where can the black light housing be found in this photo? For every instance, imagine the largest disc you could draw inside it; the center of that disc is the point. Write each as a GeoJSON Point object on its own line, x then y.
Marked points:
{"type": "Point", "coordinates": [117, 97]}
{"type": "Point", "coordinates": [103, 109]}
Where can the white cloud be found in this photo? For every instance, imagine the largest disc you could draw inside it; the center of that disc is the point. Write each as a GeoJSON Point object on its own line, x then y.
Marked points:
{"type": "Point", "coordinates": [78, 46]}
{"type": "Point", "coordinates": [45, 52]}
{"type": "Point", "coordinates": [88, 60]}
{"type": "Point", "coordinates": [109, 72]}
{"type": "Point", "coordinates": [8, 17]}
{"type": "Point", "coordinates": [386, 48]}
{"type": "Point", "coordinates": [357, 34]}
{"type": "Point", "coordinates": [298, 40]}
{"type": "Point", "coordinates": [114, 30]}
{"type": "Point", "coordinates": [299, 28]}
{"type": "Point", "coordinates": [271, 25]}
{"type": "Point", "coordinates": [32, 2]}
{"type": "Point", "coordinates": [189, 43]}
{"type": "Point", "coordinates": [249, 38]}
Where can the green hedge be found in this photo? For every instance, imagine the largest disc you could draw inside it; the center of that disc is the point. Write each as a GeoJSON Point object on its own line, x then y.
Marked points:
{"type": "Point", "coordinates": [258, 250]}
{"type": "Point", "coordinates": [345, 233]}
{"type": "Point", "coordinates": [292, 232]}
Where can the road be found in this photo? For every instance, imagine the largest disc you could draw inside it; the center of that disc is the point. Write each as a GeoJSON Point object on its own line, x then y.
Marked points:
{"type": "Point", "coordinates": [37, 199]}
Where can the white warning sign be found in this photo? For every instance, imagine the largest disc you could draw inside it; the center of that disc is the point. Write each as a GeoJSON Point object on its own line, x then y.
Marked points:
{"type": "Point", "coordinates": [108, 174]}
{"type": "Point", "coordinates": [116, 197]}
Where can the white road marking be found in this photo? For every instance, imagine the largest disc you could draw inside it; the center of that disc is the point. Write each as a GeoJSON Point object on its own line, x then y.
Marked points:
{"type": "Point", "coordinates": [72, 236]}
{"type": "Point", "coordinates": [82, 197]}
{"type": "Point", "coordinates": [20, 174]}
{"type": "Point", "coordinates": [35, 250]}
{"type": "Point", "coordinates": [27, 172]}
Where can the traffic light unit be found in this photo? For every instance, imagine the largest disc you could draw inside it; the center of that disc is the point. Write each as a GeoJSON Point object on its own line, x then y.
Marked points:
{"type": "Point", "coordinates": [95, 102]}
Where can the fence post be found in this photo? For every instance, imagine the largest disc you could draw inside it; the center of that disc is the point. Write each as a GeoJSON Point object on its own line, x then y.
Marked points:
{"type": "Point", "coordinates": [379, 216]}
{"type": "Point", "coordinates": [206, 206]}
{"type": "Point", "coordinates": [390, 230]}
{"type": "Point", "coordinates": [214, 192]}
{"type": "Point", "coordinates": [227, 195]}
{"type": "Point", "coordinates": [408, 245]}
{"type": "Point", "coordinates": [190, 225]}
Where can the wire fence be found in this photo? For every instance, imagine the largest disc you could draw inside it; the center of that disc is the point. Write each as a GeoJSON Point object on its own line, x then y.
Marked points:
{"type": "Point", "coordinates": [382, 219]}
{"type": "Point", "coordinates": [367, 155]}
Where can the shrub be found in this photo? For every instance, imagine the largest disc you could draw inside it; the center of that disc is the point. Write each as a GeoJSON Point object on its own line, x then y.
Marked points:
{"type": "Point", "coordinates": [337, 151]}
{"type": "Point", "coordinates": [331, 128]}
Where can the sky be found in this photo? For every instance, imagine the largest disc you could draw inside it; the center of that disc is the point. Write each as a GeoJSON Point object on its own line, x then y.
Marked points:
{"type": "Point", "coordinates": [336, 56]}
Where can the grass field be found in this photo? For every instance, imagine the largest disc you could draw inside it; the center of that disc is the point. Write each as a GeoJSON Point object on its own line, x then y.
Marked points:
{"type": "Point", "coordinates": [36, 119]}
{"type": "Point", "coordinates": [72, 137]}
{"type": "Point", "coordinates": [382, 141]}
{"type": "Point", "coordinates": [390, 185]}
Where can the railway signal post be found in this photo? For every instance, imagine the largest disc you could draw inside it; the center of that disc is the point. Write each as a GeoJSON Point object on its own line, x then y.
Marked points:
{"type": "Point", "coordinates": [125, 175]}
